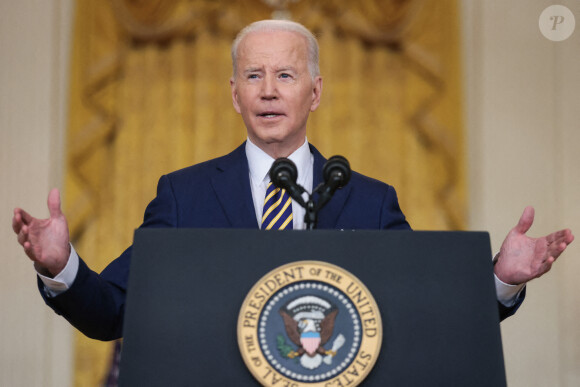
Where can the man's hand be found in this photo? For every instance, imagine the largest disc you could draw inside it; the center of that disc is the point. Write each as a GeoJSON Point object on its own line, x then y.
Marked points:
{"type": "Point", "coordinates": [522, 258]}
{"type": "Point", "coordinates": [45, 241]}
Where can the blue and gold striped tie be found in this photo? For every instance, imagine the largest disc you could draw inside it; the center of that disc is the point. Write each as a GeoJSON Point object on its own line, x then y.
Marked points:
{"type": "Point", "coordinates": [277, 209]}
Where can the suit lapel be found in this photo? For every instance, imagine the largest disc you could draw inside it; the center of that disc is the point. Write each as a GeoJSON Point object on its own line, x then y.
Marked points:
{"type": "Point", "coordinates": [231, 184]}
{"type": "Point", "coordinates": [328, 216]}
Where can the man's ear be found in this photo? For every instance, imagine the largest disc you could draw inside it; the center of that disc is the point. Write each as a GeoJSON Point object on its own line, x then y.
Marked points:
{"type": "Point", "coordinates": [234, 95]}
{"type": "Point", "coordinates": [316, 93]}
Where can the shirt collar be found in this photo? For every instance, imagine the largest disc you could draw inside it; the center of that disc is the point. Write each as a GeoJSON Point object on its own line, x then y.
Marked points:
{"type": "Point", "coordinates": [260, 162]}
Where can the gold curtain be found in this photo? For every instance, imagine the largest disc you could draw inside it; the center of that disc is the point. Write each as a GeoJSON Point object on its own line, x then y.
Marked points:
{"type": "Point", "coordinates": [150, 94]}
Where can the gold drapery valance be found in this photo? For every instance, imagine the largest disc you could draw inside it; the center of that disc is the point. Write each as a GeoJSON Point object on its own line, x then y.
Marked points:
{"type": "Point", "coordinates": [150, 94]}
{"type": "Point", "coordinates": [379, 21]}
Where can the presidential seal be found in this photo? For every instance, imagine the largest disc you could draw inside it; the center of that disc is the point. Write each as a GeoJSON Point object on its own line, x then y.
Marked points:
{"type": "Point", "coordinates": [309, 323]}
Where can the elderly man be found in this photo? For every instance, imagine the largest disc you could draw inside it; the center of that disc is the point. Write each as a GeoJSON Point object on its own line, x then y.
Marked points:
{"type": "Point", "coordinates": [275, 85]}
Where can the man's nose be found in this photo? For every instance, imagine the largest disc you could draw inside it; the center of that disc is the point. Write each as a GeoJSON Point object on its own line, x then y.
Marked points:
{"type": "Point", "coordinates": [269, 90]}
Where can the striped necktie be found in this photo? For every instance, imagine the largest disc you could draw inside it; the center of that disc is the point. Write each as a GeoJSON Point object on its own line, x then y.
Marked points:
{"type": "Point", "coordinates": [277, 209]}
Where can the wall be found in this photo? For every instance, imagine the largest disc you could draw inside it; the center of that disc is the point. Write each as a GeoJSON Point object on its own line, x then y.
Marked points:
{"type": "Point", "coordinates": [522, 92]}
{"type": "Point", "coordinates": [35, 344]}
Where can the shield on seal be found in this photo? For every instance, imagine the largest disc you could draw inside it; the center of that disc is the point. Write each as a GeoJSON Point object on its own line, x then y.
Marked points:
{"type": "Point", "coordinates": [310, 342]}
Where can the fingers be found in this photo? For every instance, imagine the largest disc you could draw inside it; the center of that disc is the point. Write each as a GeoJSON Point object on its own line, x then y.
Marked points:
{"type": "Point", "coordinates": [20, 224]}
{"type": "Point", "coordinates": [558, 242]}
{"type": "Point", "coordinates": [23, 235]}
{"type": "Point", "coordinates": [556, 249]}
{"type": "Point", "coordinates": [27, 246]}
{"type": "Point", "coordinates": [25, 243]}
{"type": "Point", "coordinates": [560, 236]}
{"type": "Point", "coordinates": [20, 218]}
{"type": "Point", "coordinates": [17, 221]}
{"type": "Point", "coordinates": [29, 251]}
{"type": "Point", "coordinates": [566, 236]}
{"type": "Point", "coordinates": [53, 203]}
{"type": "Point", "coordinates": [525, 221]}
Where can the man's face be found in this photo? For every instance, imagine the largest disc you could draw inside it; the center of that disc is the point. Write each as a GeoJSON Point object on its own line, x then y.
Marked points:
{"type": "Point", "coordinates": [274, 91]}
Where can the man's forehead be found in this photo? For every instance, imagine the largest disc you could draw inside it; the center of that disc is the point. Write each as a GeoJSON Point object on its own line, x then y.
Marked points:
{"type": "Point", "coordinates": [272, 45]}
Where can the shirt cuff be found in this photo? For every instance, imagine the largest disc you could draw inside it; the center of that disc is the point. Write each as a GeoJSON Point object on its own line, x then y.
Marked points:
{"type": "Point", "coordinates": [63, 280]}
{"type": "Point", "coordinates": [507, 294]}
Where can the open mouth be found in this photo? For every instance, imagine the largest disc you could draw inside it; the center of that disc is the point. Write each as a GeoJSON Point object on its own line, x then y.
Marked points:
{"type": "Point", "coordinates": [270, 114]}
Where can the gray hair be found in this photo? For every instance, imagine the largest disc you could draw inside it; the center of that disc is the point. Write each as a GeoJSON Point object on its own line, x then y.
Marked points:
{"type": "Point", "coordinates": [280, 25]}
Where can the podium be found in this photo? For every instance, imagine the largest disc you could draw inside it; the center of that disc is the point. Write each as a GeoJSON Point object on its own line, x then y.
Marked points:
{"type": "Point", "coordinates": [435, 292]}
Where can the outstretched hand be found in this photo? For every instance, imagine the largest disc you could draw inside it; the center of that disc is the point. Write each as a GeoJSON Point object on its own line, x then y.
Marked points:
{"type": "Point", "coordinates": [522, 258]}
{"type": "Point", "coordinates": [45, 241]}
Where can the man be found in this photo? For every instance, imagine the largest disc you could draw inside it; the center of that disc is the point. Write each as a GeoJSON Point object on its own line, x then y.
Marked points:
{"type": "Point", "coordinates": [275, 85]}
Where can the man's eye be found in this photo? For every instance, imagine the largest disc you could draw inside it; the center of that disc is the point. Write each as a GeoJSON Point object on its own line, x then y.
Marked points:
{"type": "Point", "coordinates": [284, 75]}
{"type": "Point", "coordinates": [253, 76]}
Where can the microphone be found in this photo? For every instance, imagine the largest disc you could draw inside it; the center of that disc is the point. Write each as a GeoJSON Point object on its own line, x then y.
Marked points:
{"type": "Point", "coordinates": [283, 174]}
{"type": "Point", "coordinates": [336, 174]}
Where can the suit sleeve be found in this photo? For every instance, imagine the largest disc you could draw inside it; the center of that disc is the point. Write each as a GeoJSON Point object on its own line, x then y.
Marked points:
{"type": "Point", "coordinates": [392, 218]}
{"type": "Point", "coordinates": [95, 303]}
{"type": "Point", "coordinates": [507, 311]}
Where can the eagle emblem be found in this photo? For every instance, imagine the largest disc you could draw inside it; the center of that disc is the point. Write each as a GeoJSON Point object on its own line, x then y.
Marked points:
{"type": "Point", "coordinates": [309, 322]}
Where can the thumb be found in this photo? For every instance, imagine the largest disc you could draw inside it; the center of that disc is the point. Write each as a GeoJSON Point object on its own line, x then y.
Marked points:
{"type": "Point", "coordinates": [525, 221]}
{"type": "Point", "coordinates": [53, 203]}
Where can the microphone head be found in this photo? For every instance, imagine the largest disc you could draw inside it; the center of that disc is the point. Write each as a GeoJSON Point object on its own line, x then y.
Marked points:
{"type": "Point", "coordinates": [337, 167]}
{"type": "Point", "coordinates": [282, 171]}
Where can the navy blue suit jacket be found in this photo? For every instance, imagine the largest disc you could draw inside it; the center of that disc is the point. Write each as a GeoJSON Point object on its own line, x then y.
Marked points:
{"type": "Point", "coordinates": [216, 194]}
